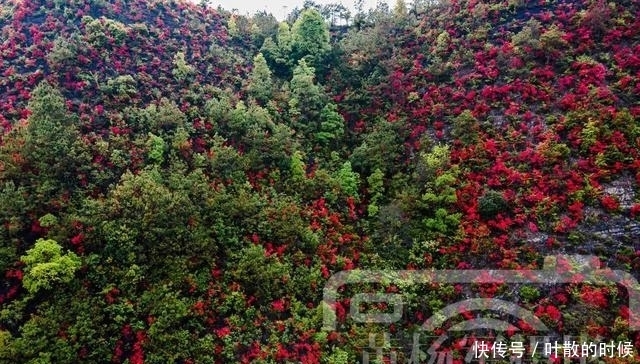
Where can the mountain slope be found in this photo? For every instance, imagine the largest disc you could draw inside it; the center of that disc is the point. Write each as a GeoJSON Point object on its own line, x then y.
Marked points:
{"type": "Point", "coordinates": [178, 184]}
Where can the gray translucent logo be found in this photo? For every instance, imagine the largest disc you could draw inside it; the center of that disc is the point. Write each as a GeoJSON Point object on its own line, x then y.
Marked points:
{"type": "Point", "coordinates": [559, 269]}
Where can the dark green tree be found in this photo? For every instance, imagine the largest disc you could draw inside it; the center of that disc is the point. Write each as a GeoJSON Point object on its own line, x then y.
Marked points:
{"type": "Point", "coordinates": [278, 53]}
{"type": "Point", "coordinates": [307, 99]}
{"type": "Point", "coordinates": [263, 26]}
{"type": "Point", "coordinates": [380, 149]}
{"type": "Point", "coordinates": [466, 128]}
{"type": "Point", "coordinates": [491, 204]}
{"type": "Point", "coordinates": [154, 221]}
{"type": "Point", "coordinates": [50, 131]}
{"type": "Point", "coordinates": [310, 38]}
{"type": "Point", "coordinates": [55, 156]}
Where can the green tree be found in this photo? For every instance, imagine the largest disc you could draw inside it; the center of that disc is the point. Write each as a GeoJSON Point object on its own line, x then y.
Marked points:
{"type": "Point", "coordinates": [298, 173]}
{"type": "Point", "coordinates": [157, 147]}
{"type": "Point", "coordinates": [376, 190]}
{"type": "Point", "coordinates": [466, 128]}
{"type": "Point", "coordinates": [439, 198]}
{"type": "Point", "coordinates": [164, 117]}
{"type": "Point", "coordinates": [400, 9]}
{"type": "Point", "coordinates": [527, 41]}
{"type": "Point", "coordinates": [307, 99]}
{"type": "Point", "coordinates": [331, 125]}
{"type": "Point", "coordinates": [268, 144]}
{"type": "Point", "coordinates": [438, 179]}
{"type": "Point", "coordinates": [64, 53]}
{"type": "Point", "coordinates": [260, 82]}
{"type": "Point", "coordinates": [260, 275]}
{"type": "Point", "coordinates": [121, 88]}
{"type": "Point", "coordinates": [46, 266]}
{"type": "Point", "coordinates": [14, 221]}
{"type": "Point", "coordinates": [263, 26]}
{"type": "Point", "coordinates": [553, 43]}
{"type": "Point", "coordinates": [53, 149]}
{"type": "Point", "coordinates": [155, 221]}
{"type": "Point", "coordinates": [380, 149]}
{"type": "Point", "coordinates": [310, 38]}
{"type": "Point", "coordinates": [182, 71]}
{"type": "Point", "coordinates": [491, 204]}
{"type": "Point", "coordinates": [278, 53]}
{"type": "Point", "coordinates": [348, 179]}
{"type": "Point", "coordinates": [99, 30]}
{"type": "Point", "coordinates": [48, 136]}
{"type": "Point", "coordinates": [431, 163]}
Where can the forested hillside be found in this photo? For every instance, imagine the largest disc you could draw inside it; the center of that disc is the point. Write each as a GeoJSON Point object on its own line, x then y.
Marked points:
{"type": "Point", "coordinates": [178, 183]}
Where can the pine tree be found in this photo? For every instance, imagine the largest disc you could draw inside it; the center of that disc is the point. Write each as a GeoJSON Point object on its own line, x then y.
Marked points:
{"type": "Point", "coordinates": [310, 38]}
{"type": "Point", "coordinates": [348, 180]}
{"type": "Point", "coordinates": [278, 53]}
{"type": "Point", "coordinates": [307, 99]}
{"type": "Point", "coordinates": [52, 146]}
{"type": "Point", "coordinates": [331, 125]}
{"type": "Point", "coordinates": [260, 82]}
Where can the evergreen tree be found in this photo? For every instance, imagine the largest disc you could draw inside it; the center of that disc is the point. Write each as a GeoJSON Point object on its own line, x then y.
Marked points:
{"type": "Point", "coordinates": [349, 180]}
{"type": "Point", "coordinates": [400, 9]}
{"type": "Point", "coordinates": [260, 82]}
{"type": "Point", "coordinates": [307, 99]}
{"type": "Point", "coordinates": [310, 38]}
{"type": "Point", "coordinates": [263, 26]}
{"type": "Point", "coordinates": [278, 53]}
{"type": "Point", "coordinates": [331, 125]}
{"type": "Point", "coordinates": [182, 71]}
{"type": "Point", "coordinates": [53, 150]}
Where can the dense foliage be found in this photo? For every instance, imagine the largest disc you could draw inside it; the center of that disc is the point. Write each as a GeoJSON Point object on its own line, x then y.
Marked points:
{"type": "Point", "coordinates": [178, 183]}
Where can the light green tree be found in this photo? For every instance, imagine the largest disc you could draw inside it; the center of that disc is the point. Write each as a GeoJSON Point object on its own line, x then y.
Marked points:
{"type": "Point", "coordinates": [297, 167]}
{"type": "Point", "coordinates": [46, 266]}
{"type": "Point", "coordinates": [156, 146]}
{"type": "Point", "coordinates": [182, 71]}
{"type": "Point", "coordinates": [348, 180]}
{"type": "Point", "coordinates": [260, 82]}
{"type": "Point", "coordinates": [376, 190]}
{"type": "Point", "coordinates": [331, 125]}
{"type": "Point", "coordinates": [400, 9]}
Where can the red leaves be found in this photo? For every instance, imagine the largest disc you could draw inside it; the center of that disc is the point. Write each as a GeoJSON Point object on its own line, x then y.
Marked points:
{"type": "Point", "coordinates": [549, 311]}
{"type": "Point", "coordinates": [325, 272]}
{"type": "Point", "coordinates": [16, 274]}
{"type": "Point", "coordinates": [223, 332]}
{"type": "Point", "coordinates": [635, 210]}
{"type": "Point", "coordinates": [198, 308]}
{"type": "Point", "coordinates": [77, 239]}
{"type": "Point", "coordinates": [112, 295]}
{"type": "Point", "coordinates": [13, 277]}
{"type": "Point", "coordinates": [279, 305]}
{"type": "Point", "coordinates": [36, 228]}
{"type": "Point", "coordinates": [134, 341]}
{"type": "Point", "coordinates": [610, 203]}
{"type": "Point", "coordinates": [352, 207]}
{"type": "Point", "coordinates": [594, 297]}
